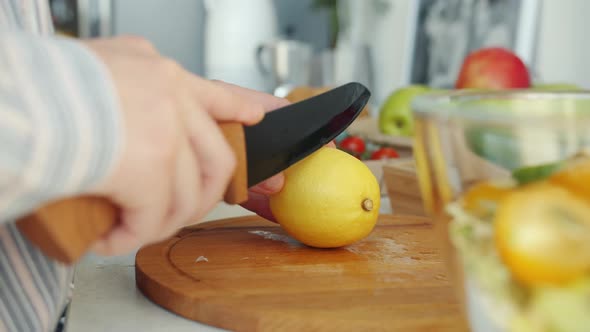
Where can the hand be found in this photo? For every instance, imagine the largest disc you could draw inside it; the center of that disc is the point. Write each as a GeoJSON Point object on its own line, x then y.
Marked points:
{"type": "Point", "coordinates": [175, 165]}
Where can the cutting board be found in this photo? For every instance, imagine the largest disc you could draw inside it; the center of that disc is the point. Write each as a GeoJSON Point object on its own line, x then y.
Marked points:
{"type": "Point", "coordinates": [246, 274]}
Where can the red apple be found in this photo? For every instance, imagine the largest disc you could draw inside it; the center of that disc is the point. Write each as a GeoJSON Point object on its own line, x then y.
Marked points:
{"type": "Point", "coordinates": [493, 68]}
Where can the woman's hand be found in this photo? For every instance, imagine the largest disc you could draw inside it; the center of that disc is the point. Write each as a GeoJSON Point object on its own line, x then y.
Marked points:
{"type": "Point", "coordinates": [176, 164]}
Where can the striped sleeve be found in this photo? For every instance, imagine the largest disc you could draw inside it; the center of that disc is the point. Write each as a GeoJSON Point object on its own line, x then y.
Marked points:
{"type": "Point", "coordinates": [33, 288]}
{"type": "Point", "coordinates": [60, 133]}
{"type": "Point", "coordinates": [60, 128]}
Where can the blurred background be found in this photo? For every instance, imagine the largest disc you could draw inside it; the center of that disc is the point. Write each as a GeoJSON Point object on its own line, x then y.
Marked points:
{"type": "Point", "coordinates": [275, 45]}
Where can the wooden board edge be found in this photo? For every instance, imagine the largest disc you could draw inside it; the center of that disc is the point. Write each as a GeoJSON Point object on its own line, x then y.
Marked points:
{"type": "Point", "coordinates": [257, 221]}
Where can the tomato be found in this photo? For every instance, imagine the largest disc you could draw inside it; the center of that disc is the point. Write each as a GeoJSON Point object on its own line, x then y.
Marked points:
{"type": "Point", "coordinates": [384, 153]}
{"type": "Point", "coordinates": [353, 144]}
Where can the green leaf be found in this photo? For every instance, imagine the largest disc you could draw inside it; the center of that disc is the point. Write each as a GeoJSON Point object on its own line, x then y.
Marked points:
{"type": "Point", "coordinates": [526, 175]}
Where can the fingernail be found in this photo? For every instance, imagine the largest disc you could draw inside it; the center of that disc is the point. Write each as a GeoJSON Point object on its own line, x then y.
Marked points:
{"type": "Point", "coordinates": [274, 184]}
{"type": "Point", "coordinates": [260, 114]}
{"type": "Point", "coordinates": [255, 115]}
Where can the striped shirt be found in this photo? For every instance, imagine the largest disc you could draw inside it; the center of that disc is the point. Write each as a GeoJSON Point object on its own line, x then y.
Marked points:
{"type": "Point", "coordinates": [60, 133]}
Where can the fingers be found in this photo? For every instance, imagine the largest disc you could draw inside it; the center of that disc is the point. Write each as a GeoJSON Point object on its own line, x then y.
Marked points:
{"type": "Point", "coordinates": [124, 44]}
{"type": "Point", "coordinates": [258, 203]}
{"type": "Point", "coordinates": [271, 185]}
{"type": "Point", "coordinates": [138, 43]}
{"type": "Point", "coordinates": [186, 192]}
{"type": "Point", "coordinates": [139, 222]}
{"type": "Point", "coordinates": [268, 101]}
{"type": "Point", "coordinates": [258, 196]}
{"type": "Point", "coordinates": [159, 197]}
{"type": "Point", "coordinates": [224, 105]}
{"type": "Point", "coordinates": [142, 186]}
{"type": "Point", "coordinates": [214, 155]}
{"type": "Point", "coordinates": [123, 238]}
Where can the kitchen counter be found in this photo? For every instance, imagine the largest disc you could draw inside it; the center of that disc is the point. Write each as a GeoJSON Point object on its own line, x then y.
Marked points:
{"type": "Point", "coordinates": [105, 297]}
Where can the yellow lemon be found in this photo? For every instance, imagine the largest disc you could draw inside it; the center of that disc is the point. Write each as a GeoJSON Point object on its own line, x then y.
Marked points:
{"type": "Point", "coordinates": [481, 199]}
{"type": "Point", "coordinates": [575, 177]}
{"type": "Point", "coordinates": [330, 199]}
{"type": "Point", "coordinates": [542, 232]}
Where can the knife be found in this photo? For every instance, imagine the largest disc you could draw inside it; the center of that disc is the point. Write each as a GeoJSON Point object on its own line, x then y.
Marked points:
{"type": "Point", "coordinates": [65, 229]}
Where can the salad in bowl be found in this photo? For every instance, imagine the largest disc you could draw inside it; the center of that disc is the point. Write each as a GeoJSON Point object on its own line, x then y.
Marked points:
{"type": "Point", "coordinates": [524, 244]}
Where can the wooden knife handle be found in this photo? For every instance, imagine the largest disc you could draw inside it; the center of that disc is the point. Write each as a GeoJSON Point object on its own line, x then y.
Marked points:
{"type": "Point", "coordinates": [237, 190]}
{"type": "Point", "coordinates": [65, 230]}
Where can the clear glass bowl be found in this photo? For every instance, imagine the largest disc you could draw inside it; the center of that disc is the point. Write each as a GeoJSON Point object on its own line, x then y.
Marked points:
{"type": "Point", "coordinates": [466, 139]}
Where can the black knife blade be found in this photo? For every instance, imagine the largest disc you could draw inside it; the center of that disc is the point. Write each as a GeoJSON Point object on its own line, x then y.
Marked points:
{"type": "Point", "coordinates": [291, 133]}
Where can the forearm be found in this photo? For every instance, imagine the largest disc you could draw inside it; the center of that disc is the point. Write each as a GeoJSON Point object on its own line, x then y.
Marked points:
{"type": "Point", "coordinates": [60, 128]}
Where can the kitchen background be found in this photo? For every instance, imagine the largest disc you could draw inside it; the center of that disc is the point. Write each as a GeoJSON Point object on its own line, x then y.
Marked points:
{"type": "Point", "coordinates": [383, 43]}
{"type": "Point", "coordinates": [273, 45]}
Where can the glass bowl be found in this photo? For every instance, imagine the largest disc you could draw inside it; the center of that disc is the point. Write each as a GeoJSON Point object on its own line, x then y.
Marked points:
{"type": "Point", "coordinates": [491, 167]}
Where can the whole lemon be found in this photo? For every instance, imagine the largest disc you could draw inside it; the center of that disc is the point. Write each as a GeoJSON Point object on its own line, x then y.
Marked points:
{"type": "Point", "coordinates": [330, 199]}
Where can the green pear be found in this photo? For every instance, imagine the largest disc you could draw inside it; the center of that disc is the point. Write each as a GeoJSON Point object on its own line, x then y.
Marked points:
{"type": "Point", "coordinates": [395, 115]}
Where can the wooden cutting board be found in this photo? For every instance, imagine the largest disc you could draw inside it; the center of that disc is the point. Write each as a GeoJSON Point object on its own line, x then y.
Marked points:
{"type": "Point", "coordinates": [246, 274]}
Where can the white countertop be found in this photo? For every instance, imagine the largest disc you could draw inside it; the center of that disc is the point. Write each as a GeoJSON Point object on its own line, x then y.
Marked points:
{"type": "Point", "coordinates": [106, 299]}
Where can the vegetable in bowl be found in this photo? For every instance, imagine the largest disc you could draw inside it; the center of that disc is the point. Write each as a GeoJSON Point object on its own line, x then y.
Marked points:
{"type": "Point", "coordinates": [525, 246]}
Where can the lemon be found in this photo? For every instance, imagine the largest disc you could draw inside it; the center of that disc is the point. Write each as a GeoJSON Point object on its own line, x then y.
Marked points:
{"type": "Point", "coordinates": [330, 199]}
{"type": "Point", "coordinates": [575, 177]}
{"type": "Point", "coordinates": [482, 199]}
{"type": "Point", "coordinates": [543, 234]}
